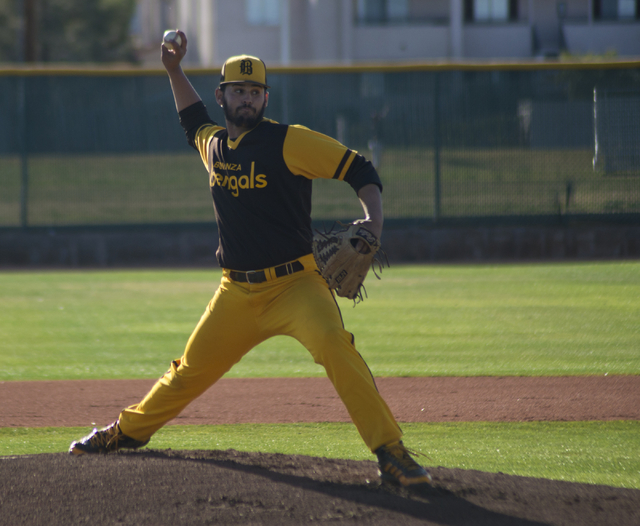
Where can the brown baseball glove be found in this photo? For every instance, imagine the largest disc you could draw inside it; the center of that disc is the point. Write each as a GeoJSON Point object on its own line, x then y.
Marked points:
{"type": "Point", "coordinates": [344, 261]}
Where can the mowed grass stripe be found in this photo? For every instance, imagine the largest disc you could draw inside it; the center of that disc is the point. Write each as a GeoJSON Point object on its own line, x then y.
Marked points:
{"type": "Point", "coordinates": [464, 320]}
{"type": "Point", "coordinates": [588, 452]}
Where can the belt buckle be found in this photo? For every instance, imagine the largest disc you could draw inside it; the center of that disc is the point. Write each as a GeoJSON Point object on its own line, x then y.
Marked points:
{"type": "Point", "coordinates": [250, 273]}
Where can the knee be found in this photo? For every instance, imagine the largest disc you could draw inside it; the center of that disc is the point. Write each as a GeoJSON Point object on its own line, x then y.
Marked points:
{"type": "Point", "coordinates": [330, 344]}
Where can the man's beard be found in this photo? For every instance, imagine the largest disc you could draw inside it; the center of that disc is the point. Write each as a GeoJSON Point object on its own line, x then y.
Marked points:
{"type": "Point", "coordinates": [242, 120]}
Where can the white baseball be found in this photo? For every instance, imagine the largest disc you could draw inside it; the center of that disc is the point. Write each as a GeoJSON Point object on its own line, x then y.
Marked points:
{"type": "Point", "coordinates": [172, 39]}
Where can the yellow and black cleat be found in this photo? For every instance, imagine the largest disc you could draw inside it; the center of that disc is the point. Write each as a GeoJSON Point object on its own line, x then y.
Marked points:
{"type": "Point", "coordinates": [398, 467]}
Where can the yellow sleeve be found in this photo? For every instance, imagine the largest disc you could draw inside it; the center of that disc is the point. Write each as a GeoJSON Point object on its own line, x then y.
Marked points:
{"type": "Point", "coordinates": [315, 155]}
{"type": "Point", "coordinates": [203, 136]}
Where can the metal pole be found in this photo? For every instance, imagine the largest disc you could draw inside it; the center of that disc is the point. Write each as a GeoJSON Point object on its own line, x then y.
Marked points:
{"type": "Point", "coordinates": [285, 54]}
{"type": "Point", "coordinates": [27, 52]}
{"type": "Point", "coordinates": [30, 28]}
{"type": "Point", "coordinates": [436, 148]}
{"type": "Point", "coordinates": [24, 157]}
{"type": "Point", "coordinates": [285, 32]}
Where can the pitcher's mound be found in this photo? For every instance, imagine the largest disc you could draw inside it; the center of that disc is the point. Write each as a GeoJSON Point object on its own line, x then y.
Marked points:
{"type": "Point", "coordinates": [153, 487]}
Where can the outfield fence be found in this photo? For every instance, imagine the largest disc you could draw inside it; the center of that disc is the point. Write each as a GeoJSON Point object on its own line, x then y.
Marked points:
{"type": "Point", "coordinates": [452, 142]}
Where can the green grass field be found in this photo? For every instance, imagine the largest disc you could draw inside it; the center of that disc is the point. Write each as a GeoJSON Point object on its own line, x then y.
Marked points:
{"type": "Point", "coordinates": [562, 319]}
{"type": "Point", "coordinates": [465, 320]}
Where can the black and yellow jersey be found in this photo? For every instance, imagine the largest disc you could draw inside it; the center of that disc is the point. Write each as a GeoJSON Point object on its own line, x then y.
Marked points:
{"type": "Point", "coordinates": [261, 185]}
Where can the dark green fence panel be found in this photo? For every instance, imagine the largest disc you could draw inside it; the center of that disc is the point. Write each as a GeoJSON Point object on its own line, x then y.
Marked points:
{"type": "Point", "coordinates": [458, 143]}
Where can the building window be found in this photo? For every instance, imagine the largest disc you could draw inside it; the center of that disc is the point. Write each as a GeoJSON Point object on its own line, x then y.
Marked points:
{"type": "Point", "coordinates": [263, 12]}
{"type": "Point", "coordinates": [490, 10]}
{"type": "Point", "coordinates": [616, 9]}
{"type": "Point", "coordinates": [383, 11]}
{"type": "Point", "coordinates": [485, 10]}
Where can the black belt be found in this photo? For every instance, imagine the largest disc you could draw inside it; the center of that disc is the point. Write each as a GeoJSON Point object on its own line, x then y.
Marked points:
{"type": "Point", "coordinates": [260, 276]}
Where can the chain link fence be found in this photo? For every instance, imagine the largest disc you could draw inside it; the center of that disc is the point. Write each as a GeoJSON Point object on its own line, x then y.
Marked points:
{"type": "Point", "coordinates": [451, 143]}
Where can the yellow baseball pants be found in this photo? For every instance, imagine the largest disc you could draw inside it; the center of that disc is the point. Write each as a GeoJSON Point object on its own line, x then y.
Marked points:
{"type": "Point", "coordinates": [239, 317]}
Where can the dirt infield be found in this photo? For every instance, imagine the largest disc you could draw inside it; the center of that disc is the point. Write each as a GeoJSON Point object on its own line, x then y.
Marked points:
{"type": "Point", "coordinates": [228, 487]}
{"type": "Point", "coordinates": [276, 400]}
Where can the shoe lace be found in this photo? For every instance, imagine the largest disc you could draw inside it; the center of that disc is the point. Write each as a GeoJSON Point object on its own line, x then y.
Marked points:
{"type": "Point", "coordinates": [403, 454]}
{"type": "Point", "coordinates": [107, 438]}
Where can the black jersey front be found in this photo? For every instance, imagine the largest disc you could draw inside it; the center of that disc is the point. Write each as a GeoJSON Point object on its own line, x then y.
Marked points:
{"type": "Point", "coordinates": [263, 210]}
{"type": "Point", "coordinates": [261, 186]}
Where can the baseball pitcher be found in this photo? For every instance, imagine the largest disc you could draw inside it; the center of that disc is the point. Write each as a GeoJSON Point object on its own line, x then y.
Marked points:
{"type": "Point", "coordinates": [260, 174]}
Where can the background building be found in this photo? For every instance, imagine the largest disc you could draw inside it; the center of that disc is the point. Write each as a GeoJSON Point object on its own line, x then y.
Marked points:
{"type": "Point", "coordinates": [355, 31]}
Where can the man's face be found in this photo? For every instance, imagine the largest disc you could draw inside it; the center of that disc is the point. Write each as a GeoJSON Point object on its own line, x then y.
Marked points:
{"type": "Point", "coordinates": [244, 104]}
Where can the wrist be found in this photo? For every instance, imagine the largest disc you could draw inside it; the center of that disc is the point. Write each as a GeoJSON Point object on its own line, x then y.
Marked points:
{"type": "Point", "coordinates": [373, 225]}
{"type": "Point", "coordinates": [174, 70]}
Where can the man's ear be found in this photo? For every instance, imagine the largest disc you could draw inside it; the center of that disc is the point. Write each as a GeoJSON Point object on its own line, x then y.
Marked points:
{"type": "Point", "coordinates": [219, 96]}
{"type": "Point", "coordinates": [266, 98]}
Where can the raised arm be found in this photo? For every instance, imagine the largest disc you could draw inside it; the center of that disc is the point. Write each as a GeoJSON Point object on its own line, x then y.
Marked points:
{"type": "Point", "coordinates": [183, 92]}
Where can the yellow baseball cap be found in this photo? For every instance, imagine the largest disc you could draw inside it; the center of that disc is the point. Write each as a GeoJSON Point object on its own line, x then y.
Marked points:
{"type": "Point", "coordinates": [244, 68]}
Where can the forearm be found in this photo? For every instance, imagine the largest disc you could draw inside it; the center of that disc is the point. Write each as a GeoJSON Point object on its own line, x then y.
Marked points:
{"type": "Point", "coordinates": [371, 201]}
{"type": "Point", "coordinates": [184, 93]}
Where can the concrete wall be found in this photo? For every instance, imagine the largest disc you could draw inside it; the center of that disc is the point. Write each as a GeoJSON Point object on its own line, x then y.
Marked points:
{"type": "Point", "coordinates": [195, 245]}
{"type": "Point", "coordinates": [479, 244]}
{"type": "Point", "coordinates": [623, 38]}
{"type": "Point", "coordinates": [498, 41]}
{"type": "Point", "coordinates": [105, 248]}
{"type": "Point", "coordinates": [405, 43]}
